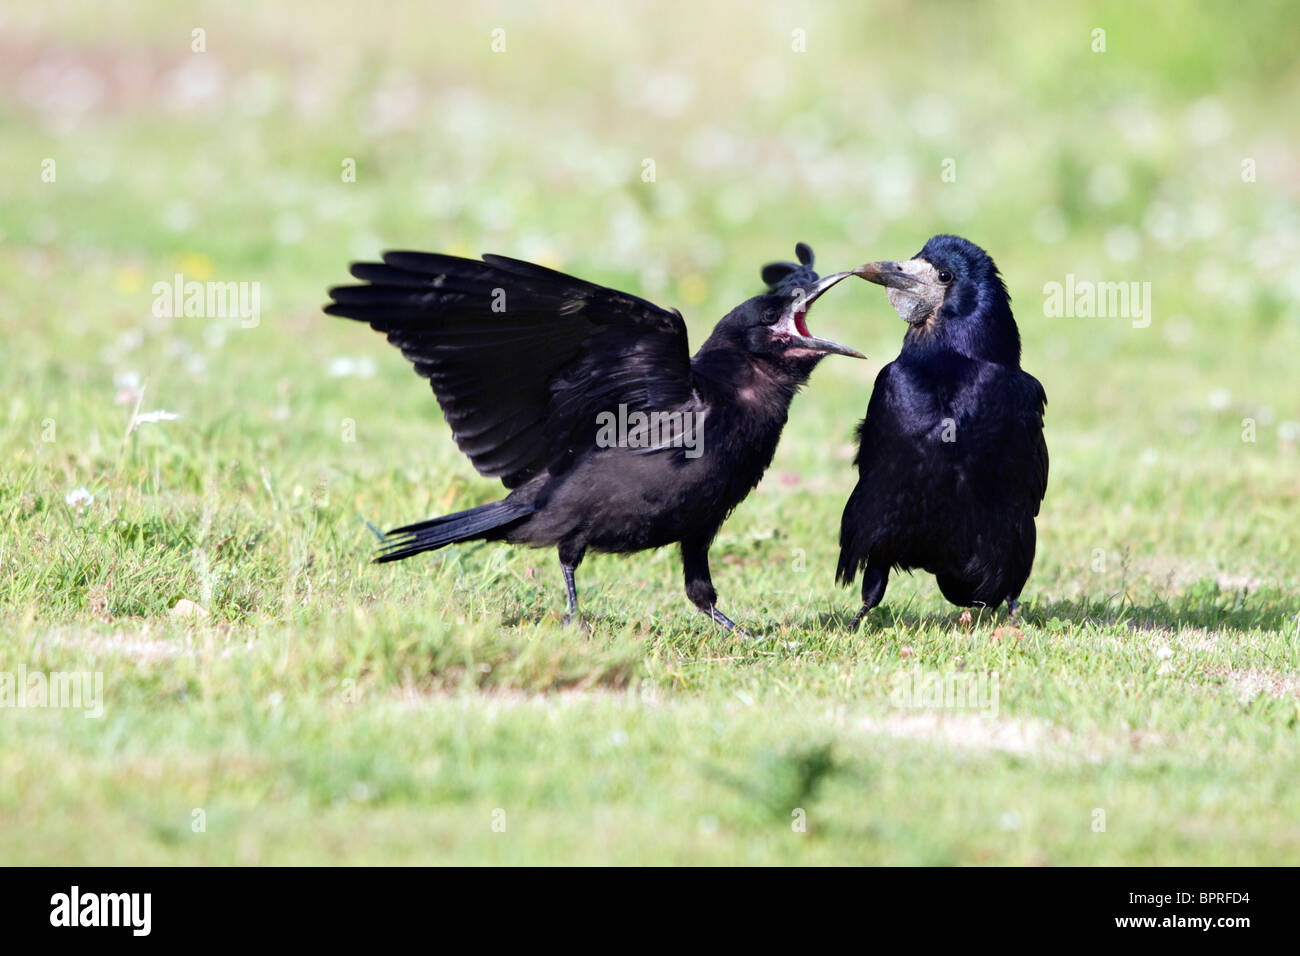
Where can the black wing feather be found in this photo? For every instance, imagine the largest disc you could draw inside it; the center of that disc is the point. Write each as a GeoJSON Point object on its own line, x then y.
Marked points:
{"type": "Point", "coordinates": [520, 384]}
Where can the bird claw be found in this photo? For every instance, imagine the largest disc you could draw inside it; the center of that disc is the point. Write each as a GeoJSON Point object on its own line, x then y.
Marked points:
{"type": "Point", "coordinates": [857, 618]}
{"type": "Point", "coordinates": [732, 627]}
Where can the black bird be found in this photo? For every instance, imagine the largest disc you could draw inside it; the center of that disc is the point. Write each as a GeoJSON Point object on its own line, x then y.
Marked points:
{"type": "Point", "coordinates": [951, 457]}
{"type": "Point", "coordinates": [587, 405]}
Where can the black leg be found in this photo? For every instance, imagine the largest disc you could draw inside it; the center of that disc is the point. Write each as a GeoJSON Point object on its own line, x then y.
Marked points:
{"type": "Point", "coordinates": [699, 584]}
{"type": "Point", "coordinates": [571, 587]}
{"type": "Point", "coordinates": [570, 558]}
{"type": "Point", "coordinates": [1012, 604]}
{"type": "Point", "coordinates": [874, 580]}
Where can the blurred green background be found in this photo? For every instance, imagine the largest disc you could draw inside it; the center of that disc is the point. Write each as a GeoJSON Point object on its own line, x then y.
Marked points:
{"type": "Point", "coordinates": [1123, 165]}
{"type": "Point", "coordinates": [1162, 150]}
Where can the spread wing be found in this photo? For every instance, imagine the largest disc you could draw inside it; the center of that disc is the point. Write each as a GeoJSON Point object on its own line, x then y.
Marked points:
{"type": "Point", "coordinates": [521, 358]}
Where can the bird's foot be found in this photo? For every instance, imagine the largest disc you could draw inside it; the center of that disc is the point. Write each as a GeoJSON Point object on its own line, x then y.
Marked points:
{"type": "Point", "coordinates": [577, 623]}
{"type": "Point", "coordinates": [857, 618]}
{"type": "Point", "coordinates": [715, 615]}
{"type": "Point", "coordinates": [1012, 606]}
{"type": "Point", "coordinates": [966, 621]}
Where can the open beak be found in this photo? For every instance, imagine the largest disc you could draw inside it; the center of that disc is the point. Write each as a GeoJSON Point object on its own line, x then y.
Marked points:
{"type": "Point", "coordinates": [889, 274]}
{"type": "Point", "coordinates": [794, 323]}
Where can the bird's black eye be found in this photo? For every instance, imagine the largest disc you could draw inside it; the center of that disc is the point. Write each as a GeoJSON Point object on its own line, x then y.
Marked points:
{"type": "Point", "coordinates": [945, 276]}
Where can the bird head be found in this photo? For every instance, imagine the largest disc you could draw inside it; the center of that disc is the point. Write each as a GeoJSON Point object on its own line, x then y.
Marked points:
{"type": "Point", "coordinates": [774, 326]}
{"type": "Point", "coordinates": [951, 296]}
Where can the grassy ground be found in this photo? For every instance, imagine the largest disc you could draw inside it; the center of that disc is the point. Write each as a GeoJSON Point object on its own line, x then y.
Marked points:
{"type": "Point", "coordinates": [320, 709]}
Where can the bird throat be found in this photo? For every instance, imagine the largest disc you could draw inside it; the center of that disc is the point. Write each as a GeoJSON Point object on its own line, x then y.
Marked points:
{"type": "Point", "coordinates": [918, 304]}
{"type": "Point", "coordinates": [922, 329]}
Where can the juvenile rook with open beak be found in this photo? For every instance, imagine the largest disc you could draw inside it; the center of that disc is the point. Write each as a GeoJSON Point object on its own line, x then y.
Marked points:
{"type": "Point", "coordinates": [532, 367]}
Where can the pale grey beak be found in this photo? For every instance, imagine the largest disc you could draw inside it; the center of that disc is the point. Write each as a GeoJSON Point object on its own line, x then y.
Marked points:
{"type": "Point", "coordinates": [887, 274]}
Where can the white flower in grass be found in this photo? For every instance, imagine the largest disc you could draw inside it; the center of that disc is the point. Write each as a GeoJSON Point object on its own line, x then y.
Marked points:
{"type": "Point", "coordinates": [79, 498]}
{"type": "Point", "coordinates": [139, 418]}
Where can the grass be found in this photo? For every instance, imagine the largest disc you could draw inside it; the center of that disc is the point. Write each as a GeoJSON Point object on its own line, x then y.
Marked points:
{"type": "Point", "coordinates": [321, 709]}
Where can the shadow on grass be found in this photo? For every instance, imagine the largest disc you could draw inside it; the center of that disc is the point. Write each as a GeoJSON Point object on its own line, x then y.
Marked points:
{"type": "Point", "coordinates": [1207, 607]}
{"type": "Point", "coordinates": [1204, 605]}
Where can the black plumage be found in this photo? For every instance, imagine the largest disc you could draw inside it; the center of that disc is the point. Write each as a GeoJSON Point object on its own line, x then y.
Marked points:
{"type": "Point", "coordinates": [951, 457]}
{"type": "Point", "coordinates": [531, 366]}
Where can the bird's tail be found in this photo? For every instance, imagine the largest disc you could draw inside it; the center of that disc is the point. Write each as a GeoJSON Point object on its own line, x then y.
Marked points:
{"type": "Point", "coordinates": [471, 525]}
{"type": "Point", "coordinates": [848, 567]}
